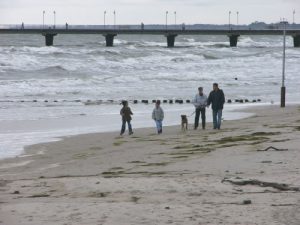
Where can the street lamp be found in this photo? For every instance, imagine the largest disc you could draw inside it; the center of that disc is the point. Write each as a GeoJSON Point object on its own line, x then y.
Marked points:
{"type": "Point", "coordinates": [283, 90]}
{"type": "Point", "coordinates": [167, 20]}
{"type": "Point", "coordinates": [175, 15]}
{"type": "Point", "coordinates": [54, 15]}
{"type": "Point", "coordinates": [114, 19]}
{"type": "Point", "coordinates": [229, 19]}
{"type": "Point", "coordinates": [104, 19]}
{"type": "Point", "coordinates": [294, 16]}
{"type": "Point", "coordinates": [237, 18]}
{"type": "Point", "coordinates": [44, 19]}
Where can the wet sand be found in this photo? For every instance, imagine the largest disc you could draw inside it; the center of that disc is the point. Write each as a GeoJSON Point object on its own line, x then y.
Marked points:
{"type": "Point", "coordinates": [194, 177]}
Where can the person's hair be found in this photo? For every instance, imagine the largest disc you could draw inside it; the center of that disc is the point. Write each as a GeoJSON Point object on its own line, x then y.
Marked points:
{"type": "Point", "coordinates": [215, 84]}
{"type": "Point", "coordinates": [158, 102]}
{"type": "Point", "coordinates": [200, 88]}
{"type": "Point", "coordinates": [124, 103]}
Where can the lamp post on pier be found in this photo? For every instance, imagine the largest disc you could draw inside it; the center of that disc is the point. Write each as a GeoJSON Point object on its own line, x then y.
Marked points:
{"type": "Point", "coordinates": [175, 17]}
{"type": "Point", "coordinates": [104, 14]}
{"type": "Point", "coordinates": [294, 16]}
{"type": "Point", "coordinates": [229, 23]}
{"type": "Point", "coordinates": [237, 18]}
{"type": "Point", "coordinates": [54, 17]}
{"type": "Point", "coordinates": [283, 89]}
{"type": "Point", "coordinates": [114, 19]}
{"type": "Point", "coordinates": [167, 20]}
{"type": "Point", "coordinates": [44, 19]}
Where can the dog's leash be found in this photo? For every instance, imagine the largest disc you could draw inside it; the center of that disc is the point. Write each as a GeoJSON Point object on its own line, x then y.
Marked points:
{"type": "Point", "coordinates": [192, 114]}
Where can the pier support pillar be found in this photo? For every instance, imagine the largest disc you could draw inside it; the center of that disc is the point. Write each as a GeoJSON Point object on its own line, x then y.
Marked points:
{"type": "Point", "coordinates": [171, 40]}
{"type": "Point", "coordinates": [296, 40]}
{"type": "Point", "coordinates": [49, 37]}
{"type": "Point", "coordinates": [109, 38]}
{"type": "Point", "coordinates": [233, 39]}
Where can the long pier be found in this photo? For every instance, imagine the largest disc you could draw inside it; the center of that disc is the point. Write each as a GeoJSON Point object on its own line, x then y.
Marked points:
{"type": "Point", "coordinates": [170, 34]}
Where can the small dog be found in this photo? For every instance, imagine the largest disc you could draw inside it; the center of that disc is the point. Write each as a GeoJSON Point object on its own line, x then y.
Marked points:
{"type": "Point", "coordinates": [184, 122]}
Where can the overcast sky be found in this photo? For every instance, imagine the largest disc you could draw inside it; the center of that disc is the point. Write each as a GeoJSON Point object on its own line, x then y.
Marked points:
{"type": "Point", "coordinates": [147, 11]}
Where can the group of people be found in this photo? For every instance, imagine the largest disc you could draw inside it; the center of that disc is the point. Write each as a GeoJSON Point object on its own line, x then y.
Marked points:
{"type": "Point", "coordinates": [216, 99]}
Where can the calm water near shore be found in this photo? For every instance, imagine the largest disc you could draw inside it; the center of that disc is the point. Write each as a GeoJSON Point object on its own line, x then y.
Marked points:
{"type": "Point", "coordinates": [138, 67]}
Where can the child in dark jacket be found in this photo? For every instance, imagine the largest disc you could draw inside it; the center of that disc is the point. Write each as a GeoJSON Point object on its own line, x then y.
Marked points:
{"type": "Point", "coordinates": [126, 117]}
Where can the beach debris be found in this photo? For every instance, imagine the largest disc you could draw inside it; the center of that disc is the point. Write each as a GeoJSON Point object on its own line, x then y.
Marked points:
{"type": "Point", "coordinates": [135, 199]}
{"type": "Point", "coordinates": [16, 193]}
{"type": "Point", "coordinates": [271, 147]}
{"type": "Point", "coordinates": [167, 207]}
{"type": "Point", "coordinates": [278, 186]}
{"type": "Point", "coordinates": [266, 161]}
{"type": "Point", "coordinates": [288, 204]}
{"type": "Point", "coordinates": [98, 194]}
{"type": "Point", "coordinates": [247, 202]}
{"type": "Point", "coordinates": [42, 195]}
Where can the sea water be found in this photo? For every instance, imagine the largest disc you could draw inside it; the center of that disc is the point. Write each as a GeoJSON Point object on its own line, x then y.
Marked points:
{"type": "Point", "coordinates": [76, 85]}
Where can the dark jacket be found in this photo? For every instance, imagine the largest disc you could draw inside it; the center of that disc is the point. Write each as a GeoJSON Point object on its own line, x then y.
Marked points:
{"type": "Point", "coordinates": [126, 113]}
{"type": "Point", "coordinates": [216, 99]}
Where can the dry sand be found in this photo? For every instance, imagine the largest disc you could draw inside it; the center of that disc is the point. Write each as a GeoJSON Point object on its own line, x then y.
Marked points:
{"type": "Point", "coordinates": [192, 177]}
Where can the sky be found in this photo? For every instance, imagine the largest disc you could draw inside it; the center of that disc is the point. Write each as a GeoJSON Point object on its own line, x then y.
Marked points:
{"type": "Point", "coordinates": [147, 11]}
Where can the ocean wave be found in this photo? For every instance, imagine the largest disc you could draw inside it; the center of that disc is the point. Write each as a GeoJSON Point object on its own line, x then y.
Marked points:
{"type": "Point", "coordinates": [182, 59]}
{"type": "Point", "coordinates": [57, 68]}
{"type": "Point", "coordinates": [189, 39]}
{"type": "Point", "coordinates": [219, 45]}
{"type": "Point", "coordinates": [210, 56]}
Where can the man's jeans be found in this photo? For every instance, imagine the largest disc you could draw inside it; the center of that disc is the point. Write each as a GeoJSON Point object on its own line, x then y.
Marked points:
{"type": "Point", "coordinates": [217, 117]}
{"type": "Point", "coordinates": [203, 117]}
{"type": "Point", "coordinates": [158, 126]}
{"type": "Point", "coordinates": [124, 127]}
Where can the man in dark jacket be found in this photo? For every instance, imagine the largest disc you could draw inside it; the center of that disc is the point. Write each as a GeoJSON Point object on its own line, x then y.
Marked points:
{"type": "Point", "coordinates": [217, 99]}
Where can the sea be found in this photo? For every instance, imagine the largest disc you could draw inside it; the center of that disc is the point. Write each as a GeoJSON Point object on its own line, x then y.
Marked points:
{"type": "Point", "coordinates": [75, 86]}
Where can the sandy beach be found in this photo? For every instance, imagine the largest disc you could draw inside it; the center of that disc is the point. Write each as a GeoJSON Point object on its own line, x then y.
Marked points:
{"type": "Point", "coordinates": [193, 177]}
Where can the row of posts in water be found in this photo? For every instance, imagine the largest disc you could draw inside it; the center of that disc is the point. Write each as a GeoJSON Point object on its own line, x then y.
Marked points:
{"type": "Point", "coordinates": [98, 102]}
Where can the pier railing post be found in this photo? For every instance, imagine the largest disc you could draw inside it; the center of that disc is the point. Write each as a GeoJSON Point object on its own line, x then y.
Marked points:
{"type": "Point", "coordinates": [49, 37]}
{"type": "Point", "coordinates": [109, 38]}
{"type": "Point", "coordinates": [233, 39]}
{"type": "Point", "coordinates": [171, 40]}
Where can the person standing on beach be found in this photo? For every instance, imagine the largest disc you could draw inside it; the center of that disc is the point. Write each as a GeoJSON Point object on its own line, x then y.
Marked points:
{"type": "Point", "coordinates": [158, 116]}
{"type": "Point", "coordinates": [200, 102]}
{"type": "Point", "coordinates": [217, 99]}
{"type": "Point", "coordinates": [126, 117]}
